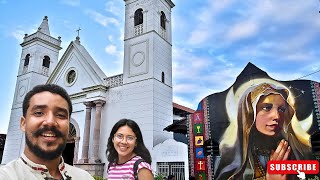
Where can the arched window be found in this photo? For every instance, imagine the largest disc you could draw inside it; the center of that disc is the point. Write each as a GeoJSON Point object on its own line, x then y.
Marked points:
{"type": "Point", "coordinates": [26, 60]}
{"type": "Point", "coordinates": [138, 17]}
{"type": "Point", "coordinates": [163, 20]}
{"type": "Point", "coordinates": [46, 62]}
{"type": "Point", "coordinates": [162, 77]}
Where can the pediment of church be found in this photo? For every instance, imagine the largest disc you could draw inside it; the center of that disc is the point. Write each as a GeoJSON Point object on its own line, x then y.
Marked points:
{"type": "Point", "coordinates": [77, 71]}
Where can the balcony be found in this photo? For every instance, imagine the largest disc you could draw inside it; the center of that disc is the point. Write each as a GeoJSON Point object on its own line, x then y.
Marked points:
{"type": "Point", "coordinates": [45, 71]}
{"type": "Point", "coordinates": [138, 29]}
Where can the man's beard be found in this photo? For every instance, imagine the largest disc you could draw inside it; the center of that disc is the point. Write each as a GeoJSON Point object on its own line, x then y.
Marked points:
{"type": "Point", "coordinates": [39, 152]}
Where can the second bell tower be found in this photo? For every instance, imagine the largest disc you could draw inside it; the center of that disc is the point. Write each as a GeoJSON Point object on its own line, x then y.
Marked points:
{"type": "Point", "coordinates": [147, 76]}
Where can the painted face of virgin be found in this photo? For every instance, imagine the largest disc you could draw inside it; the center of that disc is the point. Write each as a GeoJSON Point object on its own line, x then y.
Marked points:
{"type": "Point", "coordinates": [270, 114]}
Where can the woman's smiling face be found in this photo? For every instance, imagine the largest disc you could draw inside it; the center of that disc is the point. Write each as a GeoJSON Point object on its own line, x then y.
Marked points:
{"type": "Point", "coordinates": [270, 114]}
{"type": "Point", "coordinates": [124, 141]}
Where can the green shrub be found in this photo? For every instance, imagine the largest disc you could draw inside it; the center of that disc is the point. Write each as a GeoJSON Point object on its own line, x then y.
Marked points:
{"type": "Point", "coordinates": [159, 176]}
{"type": "Point", "coordinates": [99, 178]}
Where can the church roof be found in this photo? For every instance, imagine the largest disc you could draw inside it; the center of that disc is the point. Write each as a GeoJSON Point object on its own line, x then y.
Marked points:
{"type": "Point", "coordinates": [98, 72]}
{"type": "Point", "coordinates": [81, 57]}
{"type": "Point", "coordinates": [179, 126]}
{"type": "Point", "coordinates": [44, 27]}
{"type": "Point", "coordinates": [170, 3]}
{"type": "Point", "coordinates": [42, 35]}
{"type": "Point", "coordinates": [182, 108]}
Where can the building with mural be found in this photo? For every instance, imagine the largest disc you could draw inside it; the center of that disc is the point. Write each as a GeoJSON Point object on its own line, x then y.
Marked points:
{"type": "Point", "coordinates": [249, 121]}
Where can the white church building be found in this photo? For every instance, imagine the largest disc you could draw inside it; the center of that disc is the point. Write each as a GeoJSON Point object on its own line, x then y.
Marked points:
{"type": "Point", "coordinates": [142, 93]}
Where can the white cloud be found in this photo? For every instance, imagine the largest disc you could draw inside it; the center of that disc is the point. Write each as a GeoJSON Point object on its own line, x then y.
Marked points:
{"type": "Point", "coordinates": [242, 30]}
{"type": "Point", "coordinates": [315, 66]}
{"type": "Point", "coordinates": [192, 74]}
{"type": "Point", "coordinates": [101, 19]}
{"type": "Point", "coordinates": [251, 19]}
{"type": "Point", "coordinates": [252, 52]}
{"type": "Point", "coordinates": [111, 49]}
{"type": "Point", "coordinates": [284, 11]}
{"type": "Point", "coordinates": [114, 7]}
{"type": "Point", "coordinates": [197, 76]}
{"type": "Point", "coordinates": [260, 31]}
{"type": "Point", "coordinates": [121, 37]}
{"type": "Point", "coordinates": [298, 56]}
{"type": "Point", "coordinates": [198, 36]}
{"type": "Point", "coordinates": [189, 70]}
{"type": "Point", "coordinates": [193, 98]}
{"type": "Point", "coordinates": [206, 27]}
{"type": "Point", "coordinates": [284, 76]}
{"type": "Point", "coordinates": [20, 30]}
{"type": "Point", "coordinates": [225, 73]}
{"type": "Point", "coordinates": [184, 102]}
{"type": "Point", "coordinates": [18, 35]}
{"type": "Point", "coordinates": [4, 127]}
{"type": "Point", "coordinates": [71, 2]}
{"type": "Point", "coordinates": [112, 62]}
{"type": "Point", "coordinates": [110, 38]}
{"type": "Point", "coordinates": [185, 88]}
{"type": "Point", "coordinates": [212, 8]}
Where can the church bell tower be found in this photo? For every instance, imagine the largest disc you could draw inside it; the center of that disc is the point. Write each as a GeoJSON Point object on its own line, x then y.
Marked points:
{"type": "Point", "coordinates": [38, 59]}
{"type": "Point", "coordinates": [147, 76]}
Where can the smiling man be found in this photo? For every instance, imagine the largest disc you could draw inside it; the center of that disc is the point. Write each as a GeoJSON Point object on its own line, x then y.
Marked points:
{"type": "Point", "coordinates": [45, 122]}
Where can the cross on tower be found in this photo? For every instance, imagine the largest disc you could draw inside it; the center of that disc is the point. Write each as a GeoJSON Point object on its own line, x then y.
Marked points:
{"type": "Point", "coordinates": [78, 30]}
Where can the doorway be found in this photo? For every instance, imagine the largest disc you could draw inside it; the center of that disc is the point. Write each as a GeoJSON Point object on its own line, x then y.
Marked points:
{"type": "Point", "coordinates": [68, 153]}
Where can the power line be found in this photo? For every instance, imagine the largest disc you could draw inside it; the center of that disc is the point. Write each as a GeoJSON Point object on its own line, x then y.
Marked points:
{"type": "Point", "coordinates": [308, 74]}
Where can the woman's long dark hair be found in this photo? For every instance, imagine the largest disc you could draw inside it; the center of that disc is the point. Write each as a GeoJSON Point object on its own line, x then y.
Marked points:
{"type": "Point", "coordinates": [139, 150]}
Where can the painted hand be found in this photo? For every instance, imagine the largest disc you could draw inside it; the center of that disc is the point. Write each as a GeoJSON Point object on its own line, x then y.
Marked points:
{"type": "Point", "coordinates": [282, 153]}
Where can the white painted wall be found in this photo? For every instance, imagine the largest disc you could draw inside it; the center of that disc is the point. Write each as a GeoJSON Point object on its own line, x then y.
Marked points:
{"type": "Point", "coordinates": [170, 151]}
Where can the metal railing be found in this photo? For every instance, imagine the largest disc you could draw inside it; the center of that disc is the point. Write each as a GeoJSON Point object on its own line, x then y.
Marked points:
{"type": "Point", "coordinates": [163, 33]}
{"type": "Point", "coordinates": [172, 168]}
{"type": "Point", "coordinates": [45, 71]}
{"type": "Point", "coordinates": [25, 69]}
{"type": "Point", "coordinates": [138, 29]}
{"type": "Point", "coordinates": [115, 81]}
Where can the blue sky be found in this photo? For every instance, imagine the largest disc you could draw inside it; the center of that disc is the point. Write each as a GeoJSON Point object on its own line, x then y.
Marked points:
{"type": "Point", "coordinates": [212, 40]}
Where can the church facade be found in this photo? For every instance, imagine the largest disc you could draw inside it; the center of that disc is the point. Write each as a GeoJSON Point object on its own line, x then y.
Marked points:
{"type": "Point", "coordinates": [143, 92]}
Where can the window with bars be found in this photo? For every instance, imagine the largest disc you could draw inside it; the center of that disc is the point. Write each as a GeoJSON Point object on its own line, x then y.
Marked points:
{"type": "Point", "coordinates": [171, 168]}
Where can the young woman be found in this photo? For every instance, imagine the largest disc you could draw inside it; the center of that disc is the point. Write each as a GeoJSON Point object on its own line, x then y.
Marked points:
{"type": "Point", "coordinates": [125, 147]}
{"type": "Point", "coordinates": [264, 133]}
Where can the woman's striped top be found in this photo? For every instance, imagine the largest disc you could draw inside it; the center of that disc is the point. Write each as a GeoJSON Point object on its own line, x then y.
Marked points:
{"type": "Point", "coordinates": [125, 171]}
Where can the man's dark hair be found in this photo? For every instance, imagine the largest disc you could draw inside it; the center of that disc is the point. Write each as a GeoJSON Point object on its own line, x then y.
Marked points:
{"type": "Point", "coordinates": [139, 150]}
{"type": "Point", "coordinates": [53, 88]}
{"type": "Point", "coordinates": [170, 177]}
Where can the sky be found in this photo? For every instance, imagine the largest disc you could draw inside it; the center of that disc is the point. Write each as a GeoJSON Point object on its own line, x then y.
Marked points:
{"type": "Point", "coordinates": [212, 40]}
